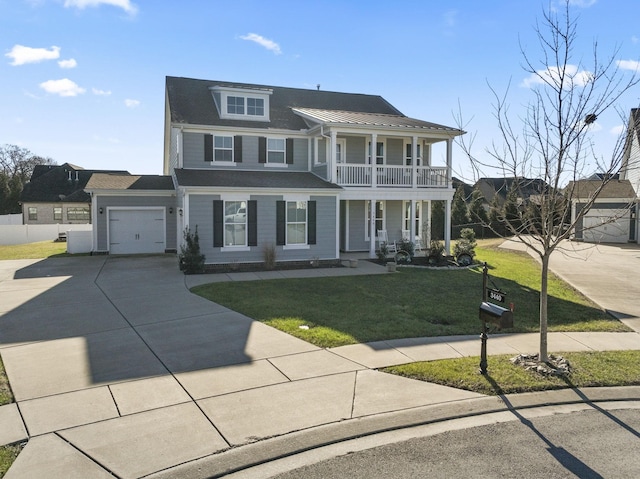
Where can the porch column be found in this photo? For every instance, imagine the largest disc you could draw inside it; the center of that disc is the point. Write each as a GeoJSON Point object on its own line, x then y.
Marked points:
{"type": "Point", "coordinates": [414, 161]}
{"type": "Point", "coordinates": [447, 227]}
{"type": "Point", "coordinates": [449, 160]}
{"type": "Point", "coordinates": [372, 229]}
{"type": "Point", "coordinates": [412, 225]}
{"type": "Point", "coordinates": [427, 210]}
{"type": "Point", "coordinates": [333, 167]}
{"type": "Point", "coordinates": [374, 170]}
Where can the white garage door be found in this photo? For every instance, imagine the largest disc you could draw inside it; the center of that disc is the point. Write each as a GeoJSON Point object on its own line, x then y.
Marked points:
{"type": "Point", "coordinates": [597, 229]}
{"type": "Point", "coordinates": [136, 231]}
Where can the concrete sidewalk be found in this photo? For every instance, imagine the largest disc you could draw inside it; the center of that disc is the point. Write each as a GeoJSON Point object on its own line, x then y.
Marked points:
{"type": "Point", "coordinates": [118, 369]}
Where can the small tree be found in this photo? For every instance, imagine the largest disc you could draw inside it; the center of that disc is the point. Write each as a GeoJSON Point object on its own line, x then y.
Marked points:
{"type": "Point", "coordinates": [191, 260]}
{"type": "Point", "coordinates": [477, 212]}
{"type": "Point", "coordinates": [459, 210]}
{"type": "Point", "coordinates": [555, 143]}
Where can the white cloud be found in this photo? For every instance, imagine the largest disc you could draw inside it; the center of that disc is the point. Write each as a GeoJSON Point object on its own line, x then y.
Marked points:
{"type": "Point", "coordinates": [22, 55]}
{"type": "Point", "coordinates": [126, 5]}
{"type": "Point", "coordinates": [617, 130]}
{"type": "Point", "coordinates": [129, 103]}
{"type": "Point", "coordinates": [70, 63]}
{"type": "Point", "coordinates": [264, 42]}
{"type": "Point", "coordinates": [99, 92]}
{"type": "Point", "coordinates": [582, 3]}
{"type": "Point", "coordinates": [634, 39]}
{"type": "Point", "coordinates": [64, 87]}
{"type": "Point", "coordinates": [552, 75]}
{"type": "Point", "coordinates": [633, 65]}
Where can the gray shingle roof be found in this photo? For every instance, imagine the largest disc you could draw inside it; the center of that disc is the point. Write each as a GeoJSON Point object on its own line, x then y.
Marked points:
{"type": "Point", "coordinates": [107, 181]}
{"type": "Point", "coordinates": [191, 102]}
{"type": "Point", "coordinates": [59, 183]}
{"type": "Point", "coordinates": [251, 179]}
{"type": "Point", "coordinates": [613, 189]}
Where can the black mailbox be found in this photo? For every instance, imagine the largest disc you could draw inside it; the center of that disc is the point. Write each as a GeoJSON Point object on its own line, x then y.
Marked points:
{"type": "Point", "coordinates": [492, 313]}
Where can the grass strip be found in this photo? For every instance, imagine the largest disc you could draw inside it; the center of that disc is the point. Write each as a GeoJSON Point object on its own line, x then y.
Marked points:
{"type": "Point", "coordinates": [590, 369]}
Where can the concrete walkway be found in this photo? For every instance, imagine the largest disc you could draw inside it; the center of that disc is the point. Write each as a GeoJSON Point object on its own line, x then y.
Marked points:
{"type": "Point", "coordinates": [118, 370]}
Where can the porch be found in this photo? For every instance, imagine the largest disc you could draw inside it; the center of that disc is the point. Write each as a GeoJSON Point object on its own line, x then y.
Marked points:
{"type": "Point", "coordinates": [395, 176]}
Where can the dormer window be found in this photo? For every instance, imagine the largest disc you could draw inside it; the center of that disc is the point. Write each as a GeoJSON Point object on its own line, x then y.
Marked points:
{"type": "Point", "coordinates": [242, 104]}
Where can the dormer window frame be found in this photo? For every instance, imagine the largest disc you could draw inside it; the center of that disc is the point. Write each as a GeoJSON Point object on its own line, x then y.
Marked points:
{"type": "Point", "coordinates": [235, 103]}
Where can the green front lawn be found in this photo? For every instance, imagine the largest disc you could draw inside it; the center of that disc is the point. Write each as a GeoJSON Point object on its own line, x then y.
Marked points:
{"type": "Point", "coordinates": [590, 369]}
{"type": "Point", "coordinates": [41, 249]}
{"type": "Point", "coordinates": [411, 303]}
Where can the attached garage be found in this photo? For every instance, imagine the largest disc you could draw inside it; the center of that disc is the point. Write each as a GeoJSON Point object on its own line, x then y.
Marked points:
{"type": "Point", "coordinates": [606, 226]}
{"type": "Point", "coordinates": [135, 231]}
{"type": "Point", "coordinates": [133, 214]}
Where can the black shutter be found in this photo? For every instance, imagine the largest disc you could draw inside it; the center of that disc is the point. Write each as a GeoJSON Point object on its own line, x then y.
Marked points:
{"type": "Point", "coordinates": [311, 222]}
{"type": "Point", "coordinates": [208, 147]}
{"type": "Point", "coordinates": [218, 223]}
{"type": "Point", "coordinates": [262, 149]}
{"type": "Point", "coordinates": [281, 222]}
{"type": "Point", "coordinates": [252, 223]}
{"type": "Point", "coordinates": [289, 151]}
{"type": "Point", "coordinates": [237, 149]}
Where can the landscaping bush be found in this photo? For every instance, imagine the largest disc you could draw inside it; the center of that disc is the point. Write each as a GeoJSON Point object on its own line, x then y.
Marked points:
{"type": "Point", "coordinates": [191, 260]}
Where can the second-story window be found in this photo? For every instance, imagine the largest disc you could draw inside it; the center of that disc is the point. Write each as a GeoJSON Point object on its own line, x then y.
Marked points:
{"type": "Point", "coordinates": [235, 105]}
{"type": "Point", "coordinates": [223, 148]}
{"type": "Point", "coordinates": [409, 154]}
{"type": "Point", "coordinates": [276, 150]}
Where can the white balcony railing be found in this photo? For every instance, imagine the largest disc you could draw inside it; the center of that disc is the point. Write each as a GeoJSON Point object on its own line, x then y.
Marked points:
{"type": "Point", "coordinates": [392, 176]}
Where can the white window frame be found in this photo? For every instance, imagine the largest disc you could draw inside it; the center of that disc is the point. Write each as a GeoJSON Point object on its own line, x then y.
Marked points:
{"type": "Point", "coordinates": [61, 213]}
{"type": "Point", "coordinates": [223, 148]}
{"type": "Point", "coordinates": [239, 247]}
{"type": "Point", "coordinates": [296, 199]}
{"type": "Point", "coordinates": [261, 115]}
{"type": "Point", "coordinates": [342, 144]}
{"type": "Point", "coordinates": [384, 152]}
{"type": "Point", "coordinates": [235, 106]}
{"type": "Point", "coordinates": [408, 145]}
{"type": "Point", "coordinates": [406, 221]}
{"type": "Point", "coordinates": [383, 210]}
{"type": "Point", "coordinates": [272, 164]}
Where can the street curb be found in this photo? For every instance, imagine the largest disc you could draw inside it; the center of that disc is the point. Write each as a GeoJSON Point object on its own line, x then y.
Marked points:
{"type": "Point", "coordinates": [264, 451]}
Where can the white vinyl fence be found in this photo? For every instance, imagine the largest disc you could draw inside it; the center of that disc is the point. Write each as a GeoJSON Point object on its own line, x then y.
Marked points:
{"type": "Point", "coordinates": [21, 234]}
{"type": "Point", "coordinates": [11, 219]}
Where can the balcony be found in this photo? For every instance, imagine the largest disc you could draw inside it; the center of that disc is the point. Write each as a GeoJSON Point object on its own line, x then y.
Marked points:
{"type": "Point", "coordinates": [388, 176]}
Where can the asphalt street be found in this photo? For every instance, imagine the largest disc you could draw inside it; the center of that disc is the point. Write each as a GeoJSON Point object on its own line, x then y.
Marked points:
{"type": "Point", "coordinates": [591, 443]}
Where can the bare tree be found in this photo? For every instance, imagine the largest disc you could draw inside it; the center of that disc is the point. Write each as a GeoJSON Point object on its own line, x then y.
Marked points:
{"type": "Point", "coordinates": [551, 145]}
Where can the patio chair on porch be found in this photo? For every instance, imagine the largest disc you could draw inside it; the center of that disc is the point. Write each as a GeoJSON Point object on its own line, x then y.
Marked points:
{"type": "Point", "coordinates": [383, 239]}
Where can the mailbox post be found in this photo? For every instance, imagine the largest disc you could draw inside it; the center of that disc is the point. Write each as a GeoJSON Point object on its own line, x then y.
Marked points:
{"type": "Point", "coordinates": [492, 313]}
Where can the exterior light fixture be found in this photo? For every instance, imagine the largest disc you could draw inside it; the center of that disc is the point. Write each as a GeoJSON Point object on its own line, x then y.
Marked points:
{"type": "Point", "coordinates": [170, 210]}
{"type": "Point", "coordinates": [100, 210]}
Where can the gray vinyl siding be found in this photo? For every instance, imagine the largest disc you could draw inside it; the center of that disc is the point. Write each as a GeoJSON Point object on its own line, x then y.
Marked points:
{"type": "Point", "coordinates": [194, 154]}
{"type": "Point", "coordinates": [322, 150]}
{"type": "Point", "coordinates": [100, 221]}
{"type": "Point", "coordinates": [321, 171]}
{"type": "Point", "coordinates": [358, 226]}
{"type": "Point", "coordinates": [395, 153]}
{"type": "Point", "coordinates": [201, 214]}
{"type": "Point", "coordinates": [356, 150]}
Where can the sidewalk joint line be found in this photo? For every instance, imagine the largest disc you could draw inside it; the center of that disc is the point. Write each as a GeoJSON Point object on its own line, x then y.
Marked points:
{"type": "Point", "coordinates": [85, 454]}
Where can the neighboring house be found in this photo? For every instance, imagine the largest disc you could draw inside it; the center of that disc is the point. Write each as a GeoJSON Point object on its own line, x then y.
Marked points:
{"type": "Point", "coordinates": [525, 189]}
{"type": "Point", "coordinates": [630, 169]}
{"type": "Point", "coordinates": [611, 219]}
{"type": "Point", "coordinates": [55, 194]}
{"type": "Point", "coordinates": [255, 166]}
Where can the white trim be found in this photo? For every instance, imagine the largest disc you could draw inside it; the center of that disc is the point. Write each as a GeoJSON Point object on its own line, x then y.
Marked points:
{"type": "Point", "coordinates": [296, 246]}
{"type": "Point", "coordinates": [366, 217]}
{"type": "Point", "coordinates": [275, 165]}
{"type": "Point", "coordinates": [234, 249]}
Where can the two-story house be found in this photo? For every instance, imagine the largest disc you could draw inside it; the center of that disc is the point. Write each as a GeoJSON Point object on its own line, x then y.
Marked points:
{"type": "Point", "coordinates": [310, 172]}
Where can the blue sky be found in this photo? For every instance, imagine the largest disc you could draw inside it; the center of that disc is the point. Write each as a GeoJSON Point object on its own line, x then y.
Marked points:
{"type": "Point", "coordinates": [82, 81]}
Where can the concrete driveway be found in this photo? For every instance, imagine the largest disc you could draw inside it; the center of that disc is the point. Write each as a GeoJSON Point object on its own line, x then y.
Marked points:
{"type": "Point", "coordinates": [118, 370]}
{"type": "Point", "coordinates": [607, 274]}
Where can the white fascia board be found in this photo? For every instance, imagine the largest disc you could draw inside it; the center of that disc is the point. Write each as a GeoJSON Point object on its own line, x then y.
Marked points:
{"type": "Point", "coordinates": [131, 192]}
{"type": "Point", "coordinates": [213, 190]}
{"type": "Point", "coordinates": [235, 89]}
{"type": "Point", "coordinates": [433, 136]}
{"type": "Point", "coordinates": [396, 194]}
{"type": "Point", "coordinates": [249, 131]}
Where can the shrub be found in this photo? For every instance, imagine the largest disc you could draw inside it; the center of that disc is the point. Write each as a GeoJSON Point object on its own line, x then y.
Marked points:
{"type": "Point", "coordinates": [466, 244]}
{"type": "Point", "coordinates": [269, 254]}
{"type": "Point", "coordinates": [406, 245]}
{"type": "Point", "coordinates": [383, 252]}
{"type": "Point", "coordinates": [191, 260]}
